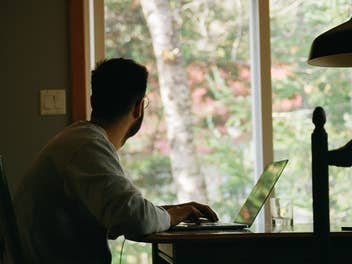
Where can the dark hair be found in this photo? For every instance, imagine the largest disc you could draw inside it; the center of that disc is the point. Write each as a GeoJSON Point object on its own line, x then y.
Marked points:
{"type": "Point", "coordinates": [117, 84]}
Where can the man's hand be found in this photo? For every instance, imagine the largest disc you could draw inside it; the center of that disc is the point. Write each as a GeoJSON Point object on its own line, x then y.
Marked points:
{"type": "Point", "coordinates": [190, 212]}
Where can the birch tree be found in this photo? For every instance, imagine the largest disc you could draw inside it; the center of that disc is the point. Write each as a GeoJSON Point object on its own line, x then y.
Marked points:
{"type": "Point", "coordinates": [175, 95]}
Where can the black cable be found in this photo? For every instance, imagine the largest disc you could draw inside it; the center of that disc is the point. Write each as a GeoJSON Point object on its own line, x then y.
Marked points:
{"type": "Point", "coordinates": [123, 243]}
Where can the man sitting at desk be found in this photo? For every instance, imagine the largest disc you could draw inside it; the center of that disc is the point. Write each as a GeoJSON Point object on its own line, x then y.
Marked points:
{"type": "Point", "coordinates": [76, 194]}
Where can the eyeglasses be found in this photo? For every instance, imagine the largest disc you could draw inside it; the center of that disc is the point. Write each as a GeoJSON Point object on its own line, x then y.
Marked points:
{"type": "Point", "coordinates": [146, 102]}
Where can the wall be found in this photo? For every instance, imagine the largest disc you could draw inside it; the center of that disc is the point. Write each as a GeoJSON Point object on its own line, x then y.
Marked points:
{"type": "Point", "coordinates": [34, 52]}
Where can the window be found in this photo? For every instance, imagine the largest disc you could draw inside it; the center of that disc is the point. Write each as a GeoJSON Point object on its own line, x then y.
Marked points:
{"type": "Point", "coordinates": [208, 54]}
{"type": "Point", "coordinates": [297, 89]}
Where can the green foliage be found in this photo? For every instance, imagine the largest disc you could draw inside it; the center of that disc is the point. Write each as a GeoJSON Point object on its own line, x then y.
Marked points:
{"type": "Point", "coordinates": [126, 33]}
{"type": "Point", "coordinates": [151, 172]}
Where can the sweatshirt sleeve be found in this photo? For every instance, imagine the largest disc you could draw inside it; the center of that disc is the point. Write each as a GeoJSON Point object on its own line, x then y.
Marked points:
{"type": "Point", "coordinates": [95, 177]}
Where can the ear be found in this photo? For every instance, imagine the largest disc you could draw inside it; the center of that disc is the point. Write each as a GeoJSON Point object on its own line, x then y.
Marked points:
{"type": "Point", "coordinates": [138, 109]}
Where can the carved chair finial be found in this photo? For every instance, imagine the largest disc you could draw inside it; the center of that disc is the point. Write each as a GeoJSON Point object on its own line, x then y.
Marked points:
{"type": "Point", "coordinates": [319, 117]}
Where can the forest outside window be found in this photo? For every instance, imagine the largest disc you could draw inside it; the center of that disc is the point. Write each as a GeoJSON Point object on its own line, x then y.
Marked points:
{"type": "Point", "coordinates": [297, 89]}
{"type": "Point", "coordinates": [197, 141]}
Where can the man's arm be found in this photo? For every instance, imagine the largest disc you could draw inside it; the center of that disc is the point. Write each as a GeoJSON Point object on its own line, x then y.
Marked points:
{"type": "Point", "coordinates": [94, 176]}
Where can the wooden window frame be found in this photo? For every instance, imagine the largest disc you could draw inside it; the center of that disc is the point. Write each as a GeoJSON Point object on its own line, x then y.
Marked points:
{"type": "Point", "coordinates": [261, 94]}
{"type": "Point", "coordinates": [82, 28]}
{"type": "Point", "coordinates": [78, 59]}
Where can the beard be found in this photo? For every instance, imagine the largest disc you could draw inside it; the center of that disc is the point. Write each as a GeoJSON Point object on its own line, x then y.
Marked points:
{"type": "Point", "coordinates": [134, 128]}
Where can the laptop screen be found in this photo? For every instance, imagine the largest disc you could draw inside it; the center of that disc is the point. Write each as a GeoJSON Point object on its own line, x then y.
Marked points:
{"type": "Point", "coordinates": [260, 192]}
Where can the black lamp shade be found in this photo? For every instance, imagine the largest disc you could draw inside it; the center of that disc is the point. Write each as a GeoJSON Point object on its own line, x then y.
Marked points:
{"type": "Point", "coordinates": [333, 48]}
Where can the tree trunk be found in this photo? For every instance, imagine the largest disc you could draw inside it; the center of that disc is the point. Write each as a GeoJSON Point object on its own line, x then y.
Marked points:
{"type": "Point", "coordinates": [176, 100]}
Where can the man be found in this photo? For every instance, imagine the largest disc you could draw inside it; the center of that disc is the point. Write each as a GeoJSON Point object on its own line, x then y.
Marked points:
{"type": "Point", "coordinates": [76, 195]}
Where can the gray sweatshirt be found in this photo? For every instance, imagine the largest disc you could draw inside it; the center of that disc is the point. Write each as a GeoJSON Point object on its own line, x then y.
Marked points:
{"type": "Point", "coordinates": [76, 196]}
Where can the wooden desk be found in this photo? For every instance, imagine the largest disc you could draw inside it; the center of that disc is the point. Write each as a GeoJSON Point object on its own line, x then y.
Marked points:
{"type": "Point", "coordinates": [274, 246]}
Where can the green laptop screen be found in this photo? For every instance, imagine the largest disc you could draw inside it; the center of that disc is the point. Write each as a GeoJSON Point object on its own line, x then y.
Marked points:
{"type": "Point", "coordinates": [260, 192]}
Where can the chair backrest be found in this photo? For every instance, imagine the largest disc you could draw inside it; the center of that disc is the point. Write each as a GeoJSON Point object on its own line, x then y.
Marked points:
{"type": "Point", "coordinates": [322, 158]}
{"type": "Point", "coordinates": [9, 231]}
{"type": "Point", "coordinates": [320, 174]}
{"type": "Point", "coordinates": [320, 187]}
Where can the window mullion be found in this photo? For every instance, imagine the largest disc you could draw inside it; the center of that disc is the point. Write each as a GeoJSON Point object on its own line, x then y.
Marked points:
{"type": "Point", "coordinates": [261, 92]}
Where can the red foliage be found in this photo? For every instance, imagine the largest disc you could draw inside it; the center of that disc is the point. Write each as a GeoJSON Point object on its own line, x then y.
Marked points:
{"type": "Point", "coordinates": [162, 146]}
{"type": "Point", "coordinates": [288, 104]}
{"type": "Point", "coordinates": [204, 149]}
{"type": "Point", "coordinates": [244, 73]}
{"type": "Point", "coordinates": [280, 71]}
{"type": "Point", "coordinates": [198, 95]}
{"type": "Point", "coordinates": [196, 74]}
{"type": "Point", "coordinates": [239, 88]}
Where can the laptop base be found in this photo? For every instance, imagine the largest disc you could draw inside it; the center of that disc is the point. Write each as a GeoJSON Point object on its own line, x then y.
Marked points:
{"type": "Point", "coordinates": [208, 226]}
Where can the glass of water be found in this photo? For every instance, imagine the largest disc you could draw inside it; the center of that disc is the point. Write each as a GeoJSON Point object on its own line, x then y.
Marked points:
{"type": "Point", "coordinates": [281, 212]}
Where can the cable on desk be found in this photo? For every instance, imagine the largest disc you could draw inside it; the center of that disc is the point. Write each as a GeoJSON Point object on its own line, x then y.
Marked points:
{"type": "Point", "coordinates": [123, 243]}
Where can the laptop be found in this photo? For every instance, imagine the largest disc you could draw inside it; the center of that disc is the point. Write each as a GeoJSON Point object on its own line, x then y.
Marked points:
{"type": "Point", "coordinates": [251, 207]}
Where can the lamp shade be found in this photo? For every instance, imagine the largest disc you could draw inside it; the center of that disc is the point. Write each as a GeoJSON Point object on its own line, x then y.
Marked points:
{"type": "Point", "coordinates": [333, 48]}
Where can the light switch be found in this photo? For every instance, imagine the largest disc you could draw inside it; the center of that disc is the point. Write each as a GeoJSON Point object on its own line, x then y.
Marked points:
{"type": "Point", "coordinates": [52, 102]}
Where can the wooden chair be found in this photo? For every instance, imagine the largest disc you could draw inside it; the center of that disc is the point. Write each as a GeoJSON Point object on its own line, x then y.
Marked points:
{"type": "Point", "coordinates": [10, 241]}
{"type": "Point", "coordinates": [322, 158]}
